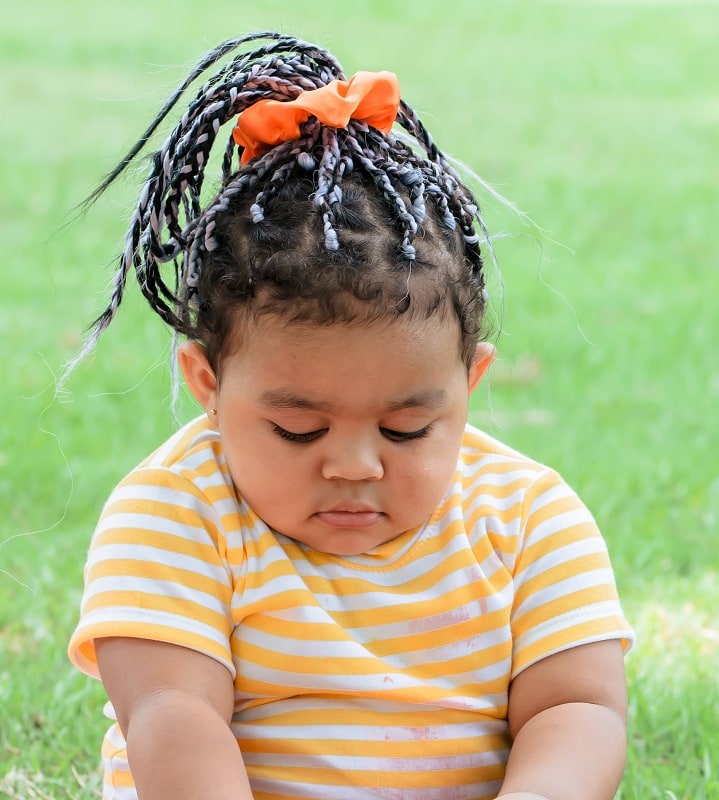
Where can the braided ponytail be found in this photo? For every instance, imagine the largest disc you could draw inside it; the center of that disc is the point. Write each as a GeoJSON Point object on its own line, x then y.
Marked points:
{"type": "Point", "coordinates": [333, 216]}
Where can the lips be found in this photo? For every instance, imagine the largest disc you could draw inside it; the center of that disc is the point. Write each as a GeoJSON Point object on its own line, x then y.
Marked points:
{"type": "Point", "coordinates": [350, 516]}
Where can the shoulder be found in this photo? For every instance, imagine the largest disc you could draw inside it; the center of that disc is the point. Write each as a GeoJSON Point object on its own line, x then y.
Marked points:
{"type": "Point", "coordinates": [485, 462]}
{"type": "Point", "coordinates": [187, 471]}
{"type": "Point", "coordinates": [193, 446]}
{"type": "Point", "coordinates": [509, 497]}
{"type": "Point", "coordinates": [194, 451]}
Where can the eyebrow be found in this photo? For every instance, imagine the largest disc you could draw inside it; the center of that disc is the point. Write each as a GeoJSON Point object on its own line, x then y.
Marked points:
{"type": "Point", "coordinates": [284, 398]}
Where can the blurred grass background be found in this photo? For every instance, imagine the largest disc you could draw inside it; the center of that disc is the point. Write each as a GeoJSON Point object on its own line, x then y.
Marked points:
{"type": "Point", "coordinates": [597, 118]}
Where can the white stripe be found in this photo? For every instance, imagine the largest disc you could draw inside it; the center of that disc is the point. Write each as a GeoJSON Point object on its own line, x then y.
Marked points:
{"type": "Point", "coordinates": [470, 613]}
{"type": "Point", "coordinates": [147, 554]}
{"type": "Point", "coordinates": [556, 591]}
{"type": "Point", "coordinates": [311, 706]}
{"type": "Point", "coordinates": [155, 524]}
{"type": "Point", "coordinates": [356, 683]}
{"type": "Point", "coordinates": [267, 729]}
{"type": "Point", "coordinates": [154, 492]}
{"type": "Point", "coordinates": [474, 645]}
{"type": "Point", "coordinates": [494, 467]}
{"type": "Point", "coordinates": [145, 617]}
{"type": "Point", "coordinates": [384, 594]}
{"type": "Point", "coordinates": [596, 611]}
{"type": "Point", "coordinates": [483, 498]}
{"type": "Point", "coordinates": [377, 764]}
{"type": "Point", "coordinates": [568, 553]}
{"type": "Point", "coordinates": [560, 523]}
{"type": "Point", "coordinates": [556, 492]}
{"type": "Point", "coordinates": [157, 588]}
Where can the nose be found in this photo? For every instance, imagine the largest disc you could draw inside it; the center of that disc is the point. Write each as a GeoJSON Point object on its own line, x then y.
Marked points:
{"type": "Point", "coordinates": [352, 460]}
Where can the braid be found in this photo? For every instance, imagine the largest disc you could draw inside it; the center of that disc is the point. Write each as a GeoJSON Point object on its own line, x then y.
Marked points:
{"type": "Point", "coordinates": [279, 164]}
{"type": "Point", "coordinates": [453, 196]}
{"type": "Point", "coordinates": [381, 177]}
{"type": "Point", "coordinates": [329, 194]}
{"type": "Point", "coordinates": [316, 218]}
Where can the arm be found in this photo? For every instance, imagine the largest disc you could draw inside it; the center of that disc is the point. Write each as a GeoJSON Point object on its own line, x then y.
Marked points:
{"type": "Point", "coordinates": [174, 707]}
{"type": "Point", "coordinates": [567, 715]}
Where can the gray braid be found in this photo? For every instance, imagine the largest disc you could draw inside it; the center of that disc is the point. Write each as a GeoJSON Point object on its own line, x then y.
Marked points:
{"type": "Point", "coordinates": [178, 167]}
{"type": "Point", "coordinates": [391, 195]}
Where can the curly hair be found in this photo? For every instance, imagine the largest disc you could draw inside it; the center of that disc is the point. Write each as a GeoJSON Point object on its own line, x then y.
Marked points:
{"type": "Point", "coordinates": [342, 224]}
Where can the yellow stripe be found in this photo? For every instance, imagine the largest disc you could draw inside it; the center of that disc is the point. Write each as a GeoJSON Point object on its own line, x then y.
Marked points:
{"type": "Point", "coordinates": [567, 637]}
{"type": "Point", "coordinates": [153, 571]}
{"type": "Point", "coordinates": [160, 633]}
{"type": "Point", "coordinates": [561, 572]}
{"type": "Point", "coordinates": [131, 536]}
{"type": "Point", "coordinates": [422, 747]}
{"type": "Point", "coordinates": [160, 604]}
{"type": "Point", "coordinates": [393, 779]}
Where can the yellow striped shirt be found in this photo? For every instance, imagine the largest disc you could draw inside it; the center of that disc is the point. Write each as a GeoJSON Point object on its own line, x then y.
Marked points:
{"type": "Point", "coordinates": [383, 675]}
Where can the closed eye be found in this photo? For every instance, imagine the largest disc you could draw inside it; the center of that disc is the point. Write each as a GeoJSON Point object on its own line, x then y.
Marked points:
{"type": "Point", "coordinates": [405, 436]}
{"type": "Point", "coordinates": [388, 433]}
{"type": "Point", "coordinates": [289, 436]}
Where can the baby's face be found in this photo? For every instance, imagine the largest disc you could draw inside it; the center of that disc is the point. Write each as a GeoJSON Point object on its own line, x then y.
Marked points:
{"type": "Point", "coordinates": [344, 436]}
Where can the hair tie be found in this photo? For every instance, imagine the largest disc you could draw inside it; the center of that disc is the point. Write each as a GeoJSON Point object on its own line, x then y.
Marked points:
{"type": "Point", "coordinates": [372, 97]}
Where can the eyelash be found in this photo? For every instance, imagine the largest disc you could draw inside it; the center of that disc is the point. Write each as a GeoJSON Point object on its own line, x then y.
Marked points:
{"type": "Point", "coordinates": [411, 436]}
{"type": "Point", "coordinates": [394, 436]}
{"type": "Point", "coordinates": [296, 437]}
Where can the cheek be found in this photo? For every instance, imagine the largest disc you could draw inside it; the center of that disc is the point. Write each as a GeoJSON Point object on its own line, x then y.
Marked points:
{"type": "Point", "coordinates": [440, 458]}
{"type": "Point", "coordinates": [266, 475]}
{"type": "Point", "coordinates": [427, 476]}
{"type": "Point", "coordinates": [271, 491]}
{"type": "Point", "coordinates": [247, 453]}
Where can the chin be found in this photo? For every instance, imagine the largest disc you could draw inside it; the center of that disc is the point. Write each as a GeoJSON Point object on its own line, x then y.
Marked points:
{"type": "Point", "coordinates": [346, 544]}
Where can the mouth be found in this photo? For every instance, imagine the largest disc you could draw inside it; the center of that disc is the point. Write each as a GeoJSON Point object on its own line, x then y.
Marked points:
{"type": "Point", "coordinates": [349, 516]}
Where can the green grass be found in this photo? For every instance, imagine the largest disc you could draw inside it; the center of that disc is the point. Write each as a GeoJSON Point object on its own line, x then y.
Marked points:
{"type": "Point", "coordinates": [599, 118]}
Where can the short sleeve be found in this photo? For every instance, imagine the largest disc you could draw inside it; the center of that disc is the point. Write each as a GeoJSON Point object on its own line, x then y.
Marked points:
{"type": "Point", "coordinates": [156, 570]}
{"type": "Point", "coordinates": [565, 591]}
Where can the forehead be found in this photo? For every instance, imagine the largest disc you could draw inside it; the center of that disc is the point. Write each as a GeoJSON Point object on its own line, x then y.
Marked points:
{"type": "Point", "coordinates": [391, 360]}
{"type": "Point", "coordinates": [315, 292]}
{"type": "Point", "coordinates": [304, 318]}
{"type": "Point", "coordinates": [383, 333]}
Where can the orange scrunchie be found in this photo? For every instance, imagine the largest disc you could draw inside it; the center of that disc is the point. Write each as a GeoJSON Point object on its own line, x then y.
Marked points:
{"type": "Point", "coordinates": [369, 96]}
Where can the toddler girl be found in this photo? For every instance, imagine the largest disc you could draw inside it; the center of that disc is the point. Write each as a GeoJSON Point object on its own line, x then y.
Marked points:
{"type": "Point", "coordinates": [329, 585]}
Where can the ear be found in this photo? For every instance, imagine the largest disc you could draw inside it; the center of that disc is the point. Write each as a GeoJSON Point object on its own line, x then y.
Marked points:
{"type": "Point", "coordinates": [199, 375]}
{"type": "Point", "coordinates": [481, 360]}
